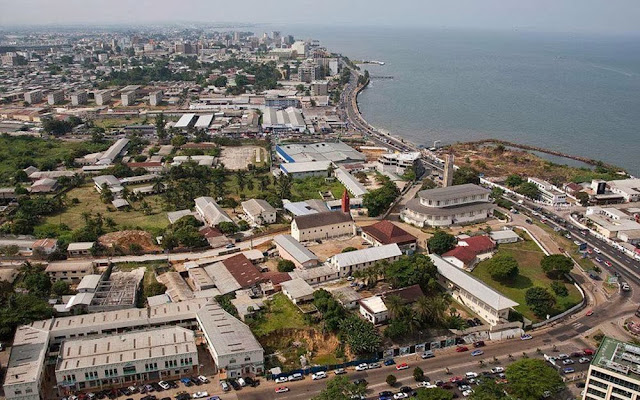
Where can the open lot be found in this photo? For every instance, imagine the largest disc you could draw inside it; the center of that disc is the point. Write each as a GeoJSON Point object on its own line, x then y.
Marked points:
{"type": "Point", "coordinates": [240, 157]}
{"type": "Point", "coordinates": [90, 202]}
{"type": "Point", "coordinates": [330, 247]}
{"type": "Point", "coordinates": [528, 255]}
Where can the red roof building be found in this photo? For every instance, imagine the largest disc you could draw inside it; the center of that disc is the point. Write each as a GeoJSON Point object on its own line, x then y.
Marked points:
{"type": "Point", "coordinates": [470, 251]}
{"type": "Point", "coordinates": [407, 294]}
{"type": "Point", "coordinates": [386, 232]}
{"type": "Point", "coordinates": [243, 271]}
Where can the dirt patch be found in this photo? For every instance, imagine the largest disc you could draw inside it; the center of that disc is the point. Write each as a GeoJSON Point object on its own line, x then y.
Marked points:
{"type": "Point", "coordinates": [124, 240]}
{"type": "Point", "coordinates": [334, 246]}
{"type": "Point", "coordinates": [290, 344]}
{"type": "Point", "coordinates": [236, 158]}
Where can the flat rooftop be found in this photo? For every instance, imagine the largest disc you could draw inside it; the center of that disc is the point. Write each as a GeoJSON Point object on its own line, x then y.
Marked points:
{"type": "Point", "coordinates": [617, 356]}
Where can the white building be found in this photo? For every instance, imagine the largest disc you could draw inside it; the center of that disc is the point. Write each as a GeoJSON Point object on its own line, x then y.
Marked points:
{"type": "Point", "coordinates": [490, 305]}
{"type": "Point", "coordinates": [55, 97]}
{"type": "Point", "coordinates": [289, 119]}
{"type": "Point", "coordinates": [613, 372]}
{"type": "Point", "coordinates": [397, 163]}
{"type": "Point", "coordinates": [292, 250]}
{"type": "Point", "coordinates": [347, 263]}
{"type": "Point", "coordinates": [323, 225]}
{"type": "Point", "coordinates": [615, 223]}
{"type": "Point", "coordinates": [350, 182]}
{"type": "Point", "coordinates": [155, 98]}
{"type": "Point", "coordinates": [297, 290]}
{"type": "Point", "coordinates": [374, 310]}
{"type": "Point", "coordinates": [25, 368]}
{"type": "Point", "coordinates": [628, 188]}
{"type": "Point", "coordinates": [304, 169]}
{"type": "Point", "coordinates": [69, 271]}
{"type": "Point", "coordinates": [128, 98]}
{"type": "Point", "coordinates": [259, 211]}
{"type": "Point", "coordinates": [103, 97]}
{"type": "Point", "coordinates": [79, 98]}
{"type": "Point", "coordinates": [460, 204]}
{"type": "Point", "coordinates": [210, 211]}
{"type": "Point", "coordinates": [549, 193]}
{"type": "Point", "coordinates": [162, 353]}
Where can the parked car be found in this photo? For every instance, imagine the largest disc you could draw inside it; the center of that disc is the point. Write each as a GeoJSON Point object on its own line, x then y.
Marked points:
{"type": "Point", "coordinates": [589, 313]}
{"type": "Point", "coordinates": [242, 382]}
{"type": "Point", "coordinates": [562, 356]}
{"type": "Point", "coordinates": [400, 395]}
{"type": "Point", "coordinates": [225, 386]}
{"type": "Point", "coordinates": [588, 352]}
{"type": "Point", "coordinates": [526, 337]}
{"type": "Point", "coordinates": [361, 381]}
{"type": "Point", "coordinates": [362, 367]}
{"type": "Point", "coordinates": [426, 385]}
{"type": "Point", "coordinates": [339, 371]}
{"type": "Point", "coordinates": [479, 343]}
{"type": "Point", "coordinates": [164, 385]}
{"type": "Point", "coordinates": [471, 375]}
{"type": "Point", "coordinates": [568, 370]}
{"type": "Point", "coordinates": [497, 370]}
{"type": "Point", "coordinates": [282, 389]}
{"type": "Point", "coordinates": [199, 395]}
{"type": "Point", "coordinates": [584, 360]}
{"type": "Point", "coordinates": [295, 377]}
{"type": "Point", "coordinates": [375, 365]}
{"type": "Point", "coordinates": [427, 354]}
{"type": "Point", "coordinates": [281, 379]}
{"type": "Point", "coordinates": [460, 349]}
{"type": "Point", "coordinates": [402, 366]}
{"type": "Point", "coordinates": [568, 361]}
{"type": "Point", "coordinates": [625, 287]}
{"type": "Point", "coordinates": [319, 375]}
{"type": "Point", "coordinates": [477, 353]}
{"type": "Point", "coordinates": [203, 379]}
{"type": "Point", "coordinates": [235, 384]}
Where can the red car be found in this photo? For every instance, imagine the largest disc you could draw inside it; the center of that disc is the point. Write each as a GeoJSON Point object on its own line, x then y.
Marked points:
{"type": "Point", "coordinates": [282, 389]}
{"type": "Point", "coordinates": [455, 379]}
{"type": "Point", "coordinates": [589, 313]}
{"type": "Point", "coordinates": [588, 352]}
{"type": "Point", "coordinates": [402, 366]}
{"type": "Point", "coordinates": [460, 349]}
{"type": "Point", "coordinates": [608, 264]}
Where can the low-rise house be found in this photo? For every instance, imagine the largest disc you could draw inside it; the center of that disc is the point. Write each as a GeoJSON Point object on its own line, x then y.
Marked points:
{"type": "Point", "coordinates": [259, 211]}
{"type": "Point", "coordinates": [8, 194]}
{"type": "Point", "coordinates": [297, 290]}
{"type": "Point", "coordinates": [470, 251]}
{"type": "Point", "coordinates": [346, 296]}
{"type": "Point", "coordinates": [214, 237]}
{"type": "Point", "coordinates": [108, 181]}
{"type": "Point", "coordinates": [386, 232]}
{"type": "Point", "coordinates": [407, 295]}
{"type": "Point", "coordinates": [44, 185]}
{"type": "Point", "coordinates": [322, 226]}
{"type": "Point", "coordinates": [323, 273]}
{"type": "Point", "coordinates": [69, 271]}
{"type": "Point", "coordinates": [504, 236]}
{"type": "Point", "coordinates": [292, 250]}
{"type": "Point", "coordinates": [120, 203]}
{"type": "Point", "coordinates": [79, 249]}
{"type": "Point", "coordinates": [152, 167]}
{"type": "Point", "coordinates": [374, 310]}
{"type": "Point", "coordinates": [45, 246]}
{"type": "Point", "coordinates": [210, 211]}
{"type": "Point", "coordinates": [348, 263]}
{"type": "Point", "coordinates": [24, 246]}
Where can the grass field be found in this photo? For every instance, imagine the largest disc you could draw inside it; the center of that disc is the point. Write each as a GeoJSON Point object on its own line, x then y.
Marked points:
{"type": "Point", "coordinates": [89, 201]}
{"type": "Point", "coordinates": [281, 314]}
{"type": "Point", "coordinates": [528, 255]}
{"type": "Point", "coordinates": [585, 263]}
{"type": "Point", "coordinates": [302, 189]}
{"type": "Point", "coordinates": [17, 153]}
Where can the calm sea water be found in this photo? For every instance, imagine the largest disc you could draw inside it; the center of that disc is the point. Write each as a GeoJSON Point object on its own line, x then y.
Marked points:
{"type": "Point", "coordinates": [575, 93]}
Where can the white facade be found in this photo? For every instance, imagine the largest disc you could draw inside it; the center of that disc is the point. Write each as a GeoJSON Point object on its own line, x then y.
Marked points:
{"type": "Point", "coordinates": [259, 211]}
{"type": "Point", "coordinates": [613, 372]}
{"type": "Point", "coordinates": [374, 310]}
{"type": "Point", "coordinates": [321, 226]}
{"type": "Point", "coordinates": [348, 263]}
{"type": "Point", "coordinates": [549, 193]}
{"type": "Point", "coordinates": [628, 188]}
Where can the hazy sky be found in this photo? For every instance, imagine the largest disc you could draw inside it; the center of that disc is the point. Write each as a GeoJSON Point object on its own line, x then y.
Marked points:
{"type": "Point", "coordinates": [606, 16]}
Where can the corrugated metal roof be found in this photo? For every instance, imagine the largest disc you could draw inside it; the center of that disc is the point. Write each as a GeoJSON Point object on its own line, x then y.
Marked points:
{"type": "Point", "coordinates": [294, 248]}
{"type": "Point", "coordinates": [366, 255]}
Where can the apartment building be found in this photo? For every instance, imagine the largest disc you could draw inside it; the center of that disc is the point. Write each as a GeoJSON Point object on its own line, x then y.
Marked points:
{"type": "Point", "coordinates": [33, 97]}
{"type": "Point", "coordinates": [549, 193]}
{"type": "Point", "coordinates": [103, 97]}
{"type": "Point", "coordinates": [55, 97]}
{"type": "Point", "coordinates": [79, 98]}
{"type": "Point", "coordinates": [614, 372]}
{"type": "Point", "coordinates": [348, 263]}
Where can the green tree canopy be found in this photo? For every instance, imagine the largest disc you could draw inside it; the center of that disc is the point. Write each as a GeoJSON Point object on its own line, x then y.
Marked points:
{"type": "Point", "coordinates": [361, 336]}
{"type": "Point", "coordinates": [556, 265]}
{"type": "Point", "coordinates": [391, 380]}
{"type": "Point", "coordinates": [340, 388]}
{"type": "Point", "coordinates": [286, 265]}
{"type": "Point", "coordinates": [466, 175]}
{"type": "Point", "coordinates": [530, 378]}
{"type": "Point", "coordinates": [434, 394]}
{"type": "Point", "coordinates": [61, 288]}
{"type": "Point", "coordinates": [540, 300]}
{"type": "Point", "coordinates": [377, 201]}
{"type": "Point", "coordinates": [529, 190]}
{"type": "Point", "coordinates": [514, 180]}
{"type": "Point", "coordinates": [441, 242]}
{"type": "Point", "coordinates": [488, 390]}
{"type": "Point", "coordinates": [154, 288]}
{"type": "Point", "coordinates": [583, 198]}
{"type": "Point", "coordinates": [503, 267]}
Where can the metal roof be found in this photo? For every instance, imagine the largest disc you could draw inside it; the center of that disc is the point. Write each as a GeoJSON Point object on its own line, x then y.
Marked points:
{"type": "Point", "coordinates": [294, 248]}
{"type": "Point", "coordinates": [204, 121]}
{"type": "Point", "coordinates": [226, 334]}
{"type": "Point", "coordinates": [471, 284]}
{"type": "Point", "coordinates": [366, 255]}
{"type": "Point", "coordinates": [453, 192]}
{"type": "Point", "coordinates": [184, 121]}
{"type": "Point", "coordinates": [297, 288]}
{"type": "Point", "coordinates": [350, 182]}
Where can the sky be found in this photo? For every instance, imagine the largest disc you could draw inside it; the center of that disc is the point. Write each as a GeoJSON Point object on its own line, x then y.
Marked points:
{"type": "Point", "coordinates": [588, 16]}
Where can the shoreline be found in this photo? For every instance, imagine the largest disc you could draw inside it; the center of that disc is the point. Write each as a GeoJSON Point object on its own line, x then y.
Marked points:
{"type": "Point", "coordinates": [526, 147]}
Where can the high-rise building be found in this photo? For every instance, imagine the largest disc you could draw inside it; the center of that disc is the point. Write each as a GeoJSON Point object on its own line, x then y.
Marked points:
{"type": "Point", "coordinates": [128, 98]}
{"type": "Point", "coordinates": [33, 97]}
{"type": "Point", "coordinates": [55, 97]}
{"type": "Point", "coordinates": [276, 37]}
{"type": "Point", "coordinates": [614, 372]}
{"type": "Point", "coordinates": [103, 97]}
{"type": "Point", "coordinates": [447, 179]}
{"type": "Point", "coordinates": [155, 98]}
{"type": "Point", "coordinates": [79, 98]}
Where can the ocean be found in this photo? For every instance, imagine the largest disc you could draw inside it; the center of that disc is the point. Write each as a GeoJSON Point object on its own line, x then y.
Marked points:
{"type": "Point", "coordinates": [576, 93]}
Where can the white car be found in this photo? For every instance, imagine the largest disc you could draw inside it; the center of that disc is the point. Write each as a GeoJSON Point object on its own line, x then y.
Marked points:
{"type": "Point", "coordinates": [426, 385]}
{"type": "Point", "coordinates": [203, 379]}
{"type": "Point", "coordinates": [339, 371]}
{"type": "Point", "coordinates": [562, 356]}
{"type": "Point", "coordinates": [584, 360]}
{"type": "Point", "coordinates": [362, 367]}
{"type": "Point", "coordinates": [497, 370]}
{"type": "Point", "coordinates": [597, 250]}
{"type": "Point", "coordinates": [241, 382]}
{"type": "Point", "coordinates": [199, 395]}
{"type": "Point", "coordinates": [295, 377]}
{"type": "Point", "coordinates": [281, 379]}
{"type": "Point", "coordinates": [164, 385]}
{"type": "Point", "coordinates": [319, 375]}
{"type": "Point", "coordinates": [400, 395]}
{"type": "Point", "coordinates": [375, 365]}
{"type": "Point", "coordinates": [470, 375]}
{"type": "Point", "coordinates": [467, 393]}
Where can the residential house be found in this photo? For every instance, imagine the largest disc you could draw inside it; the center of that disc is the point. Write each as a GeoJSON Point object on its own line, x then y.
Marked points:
{"type": "Point", "coordinates": [259, 211]}
{"type": "Point", "coordinates": [386, 232]}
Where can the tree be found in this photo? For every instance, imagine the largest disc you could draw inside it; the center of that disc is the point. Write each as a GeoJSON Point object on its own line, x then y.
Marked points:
{"type": "Point", "coordinates": [220, 81]}
{"type": "Point", "coordinates": [228, 228]}
{"type": "Point", "coordinates": [391, 380]}
{"type": "Point", "coordinates": [154, 288]}
{"type": "Point", "coordinates": [514, 180]}
{"type": "Point", "coordinates": [161, 127]}
{"type": "Point", "coordinates": [466, 175]}
{"type": "Point", "coordinates": [530, 190]}
{"type": "Point", "coordinates": [540, 300]}
{"type": "Point", "coordinates": [503, 268]}
{"type": "Point", "coordinates": [35, 280]}
{"type": "Point", "coordinates": [488, 390]}
{"type": "Point", "coordinates": [61, 288]}
{"type": "Point", "coordinates": [434, 394]}
{"type": "Point", "coordinates": [22, 309]}
{"type": "Point", "coordinates": [583, 198]}
{"type": "Point", "coordinates": [441, 242]}
{"type": "Point", "coordinates": [348, 249]}
{"type": "Point", "coordinates": [361, 336]}
{"type": "Point", "coordinates": [340, 388]}
{"type": "Point", "coordinates": [556, 265]}
{"type": "Point", "coordinates": [178, 140]}
{"type": "Point", "coordinates": [529, 378]}
{"type": "Point", "coordinates": [559, 289]}
{"type": "Point", "coordinates": [377, 201]}
{"type": "Point", "coordinates": [286, 265]}
{"type": "Point", "coordinates": [418, 374]}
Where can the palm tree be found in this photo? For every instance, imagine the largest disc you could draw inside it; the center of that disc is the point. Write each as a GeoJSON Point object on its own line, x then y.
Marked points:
{"type": "Point", "coordinates": [438, 308]}
{"type": "Point", "coordinates": [263, 183]}
{"type": "Point", "coordinates": [241, 177]}
{"type": "Point", "coordinates": [422, 307]}
{"type": "Point", "coordinates": [158, 186]}
{"type": "Point", "coordinates": [395, 305]}
{"type": "Point", "coordinates": [283, 187]}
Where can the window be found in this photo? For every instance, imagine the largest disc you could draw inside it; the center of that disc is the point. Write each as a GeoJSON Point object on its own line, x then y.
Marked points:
{"type": "Point", "coordinates": [129, 370]}
{"type": "Point", "coordinates": [247, 358]}
{"type": "Point", "coordinates": [28, 390]}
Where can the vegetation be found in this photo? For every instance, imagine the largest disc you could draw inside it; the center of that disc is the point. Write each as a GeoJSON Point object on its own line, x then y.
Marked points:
{"type": "Point", "coordinates": [391, 380]}
{"type": "Point", "coordinates": [514, 180]}
{"type": "Point", "coordinates": [224, 301]}
{"type": "Point", "coordinates": [360, 335]}
{"type": "Point", "coordinates": [556, 265]}
{"type": "Point", "coordinates": [441, 242]}
{"type": "Point", "coordinates": [377, 201]}
{"type": "Point", "coordinates": [184, 233]}
{"type": "Point", "coordinates": [466, 174]}
{"type": "Point", "coordinates": [59, 127]}
{"type": "Point", "coordinates": [280, 314]}
{"type": "Point", "coordinates": [340, 388]}
{"type": "Point", "coordinates": [488, 390]}
{"type": "Point", "coordinates": [530, 190]}
{"type": "Point", "coordinates": [540, 300]}
{"type": "Point", "coordinates": [286, 265]}
{"type": "Point", "coordinates": [503, 267]}
{"type": "Point", "coordinates": [530, 378]}
{"type": "Point", "coordinates": [434, 394]}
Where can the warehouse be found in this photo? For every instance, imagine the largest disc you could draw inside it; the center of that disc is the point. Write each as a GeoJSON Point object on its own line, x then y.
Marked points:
{"type": "Point", "coordinates": [290, 249]}
{"type": "Point", "coordinates": [337, 152]}
{"type": "Point", "coordinates": [289, 119]}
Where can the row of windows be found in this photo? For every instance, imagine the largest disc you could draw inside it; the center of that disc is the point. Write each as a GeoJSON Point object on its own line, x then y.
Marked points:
{"type": "Point", "coordinates": [617, 381]}
{"type": "Point", "coordinates": [90, 375]}
{"type": "Point", "coordinates": [622, 392]}
{"type": "Point", "coordinates": [151, 366]}
{"type": "Point", "coordinates": [459, 200]}
{"type": "Point", "coordinates": [596, 393]}
{"type": "Point", "coordinates": [233, 360]}
{"type": "Point", "coordinates": [26, 391]}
